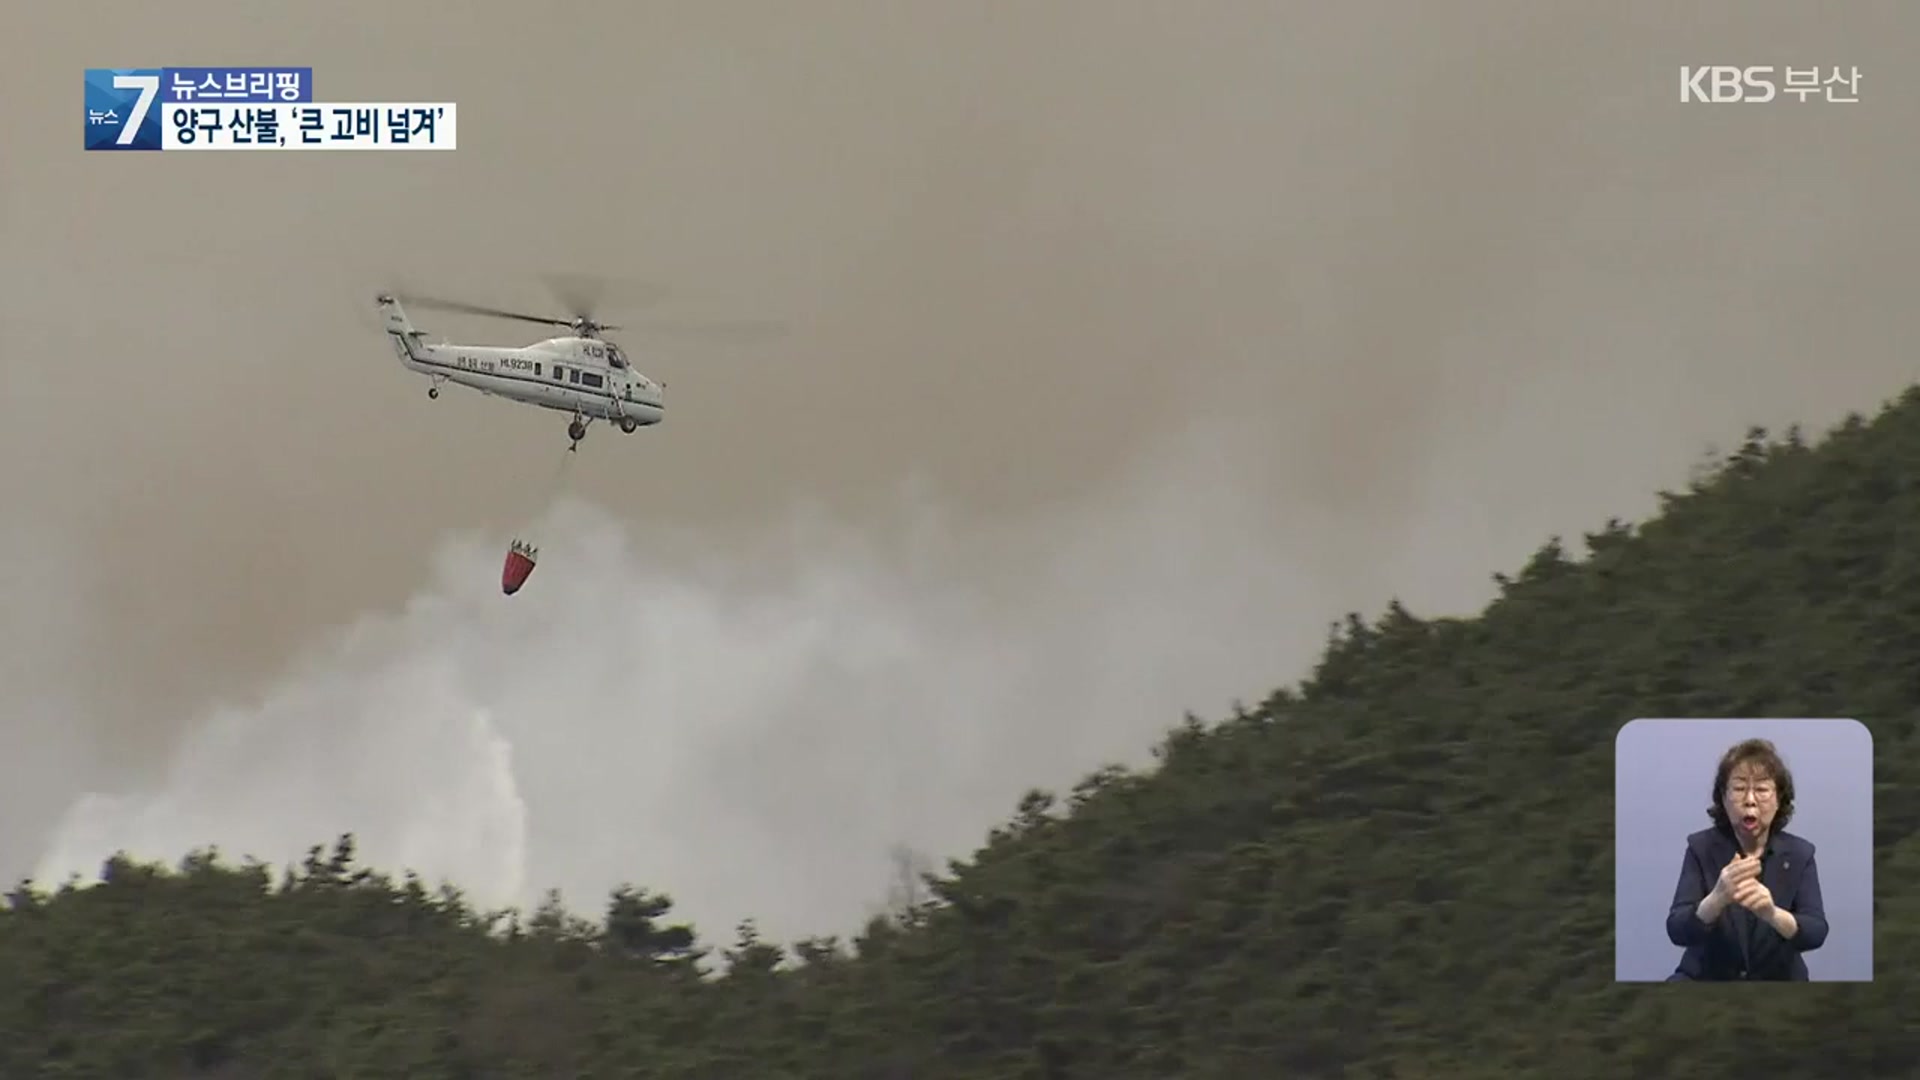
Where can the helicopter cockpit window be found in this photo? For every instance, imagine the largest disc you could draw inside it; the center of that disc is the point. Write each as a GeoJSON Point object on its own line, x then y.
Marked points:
{"type": "Point", "coordinates": [615, 357]}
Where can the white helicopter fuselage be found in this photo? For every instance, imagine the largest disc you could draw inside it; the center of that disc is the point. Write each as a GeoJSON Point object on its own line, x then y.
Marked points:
{"type": "Point", "coordinates": [586, 377]}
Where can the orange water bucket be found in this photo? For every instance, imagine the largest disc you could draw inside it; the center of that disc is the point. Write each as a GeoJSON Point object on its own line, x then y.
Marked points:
{"type": "Point", "coordinates": [520, 560]}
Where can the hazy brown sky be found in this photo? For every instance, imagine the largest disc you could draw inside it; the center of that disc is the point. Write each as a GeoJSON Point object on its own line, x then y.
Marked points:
{"type": "Point", "coordinates": [1129, 345]}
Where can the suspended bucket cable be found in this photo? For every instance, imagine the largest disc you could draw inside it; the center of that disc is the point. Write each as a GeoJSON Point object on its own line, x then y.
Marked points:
{"type": "Point", "coordinates": [521, 555]}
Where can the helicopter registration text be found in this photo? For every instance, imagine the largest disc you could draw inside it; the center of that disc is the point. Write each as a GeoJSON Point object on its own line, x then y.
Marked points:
{"type": "Point", "coordinates": [472, 363]}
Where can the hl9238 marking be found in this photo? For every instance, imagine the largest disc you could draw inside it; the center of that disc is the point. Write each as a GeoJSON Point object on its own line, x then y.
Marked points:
{"type": "Point", "coordinates": [484, 365]}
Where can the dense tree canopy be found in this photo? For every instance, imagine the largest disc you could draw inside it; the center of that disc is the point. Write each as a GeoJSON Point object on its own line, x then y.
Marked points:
{"type": "Point", "coordinates": [1401, 867]}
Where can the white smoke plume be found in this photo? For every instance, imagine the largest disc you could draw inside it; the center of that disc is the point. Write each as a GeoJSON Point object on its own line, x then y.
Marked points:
{"type": "Point", "coordinates": [751, 735]}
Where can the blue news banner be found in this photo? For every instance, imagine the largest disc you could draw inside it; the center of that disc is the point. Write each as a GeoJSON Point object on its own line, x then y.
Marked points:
{"type": "Point", "coordinates": [251, 108]}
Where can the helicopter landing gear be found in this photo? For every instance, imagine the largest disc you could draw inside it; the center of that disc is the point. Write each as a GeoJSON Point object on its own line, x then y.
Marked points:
{"type": "Point", "coordinates": [576, 431]}
{"type": "Point", "coordinates": [629, 425]}
{"type": "Point", "coordinates": [433, 391]}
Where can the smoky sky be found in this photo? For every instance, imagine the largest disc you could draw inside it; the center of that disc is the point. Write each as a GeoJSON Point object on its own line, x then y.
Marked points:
{"type": "Point", "coordinates": [1127, 345]}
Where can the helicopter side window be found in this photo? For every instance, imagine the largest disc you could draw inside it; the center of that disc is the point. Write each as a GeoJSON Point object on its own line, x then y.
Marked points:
{"type": "Point", "coordinates": [590, 379]}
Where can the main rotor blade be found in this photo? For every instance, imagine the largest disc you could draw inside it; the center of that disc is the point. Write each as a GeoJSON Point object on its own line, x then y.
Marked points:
{"type": "Point", "coordinates": [477, 309]}
{"type": "Point", "coordinates": [721, 330]}
{"type": "Point", "coordinates": [585, 295]}
{"type": "Point", "coordinates": [579, 294]}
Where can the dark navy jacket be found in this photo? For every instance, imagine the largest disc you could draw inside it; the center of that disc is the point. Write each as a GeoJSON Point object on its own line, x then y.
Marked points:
{"type": "Point", "coordinates": [1739, 945]}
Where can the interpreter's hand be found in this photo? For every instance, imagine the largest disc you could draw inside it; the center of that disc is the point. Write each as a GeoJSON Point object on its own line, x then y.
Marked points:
{"type": "Point", "coordinates": [1740, 868]}
{"type": "Point", "coordinates": [1755, 897]}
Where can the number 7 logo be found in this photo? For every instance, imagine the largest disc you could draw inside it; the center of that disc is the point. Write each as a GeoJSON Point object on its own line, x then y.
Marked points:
{"type": "Point", "coordinates": [149, 87]}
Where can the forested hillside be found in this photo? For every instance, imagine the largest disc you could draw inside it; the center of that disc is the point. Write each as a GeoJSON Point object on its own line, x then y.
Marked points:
{"type": "Point", "coordinates": [1399, 868]}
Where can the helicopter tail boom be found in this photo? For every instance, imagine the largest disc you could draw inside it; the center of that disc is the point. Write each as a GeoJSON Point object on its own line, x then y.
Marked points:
{"type": "Point", "coordinates": [407, 338]}
{"type": "Point", "coordinates": [397, 320]}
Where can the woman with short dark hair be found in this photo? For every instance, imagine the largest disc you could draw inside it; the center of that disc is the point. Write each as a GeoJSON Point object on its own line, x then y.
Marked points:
{"type": "Point", "coordinates": [1748, 901]}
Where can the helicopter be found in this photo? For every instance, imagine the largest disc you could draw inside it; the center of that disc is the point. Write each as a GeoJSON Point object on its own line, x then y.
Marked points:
{"type": "Point", "coordinates": [580, 372]}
